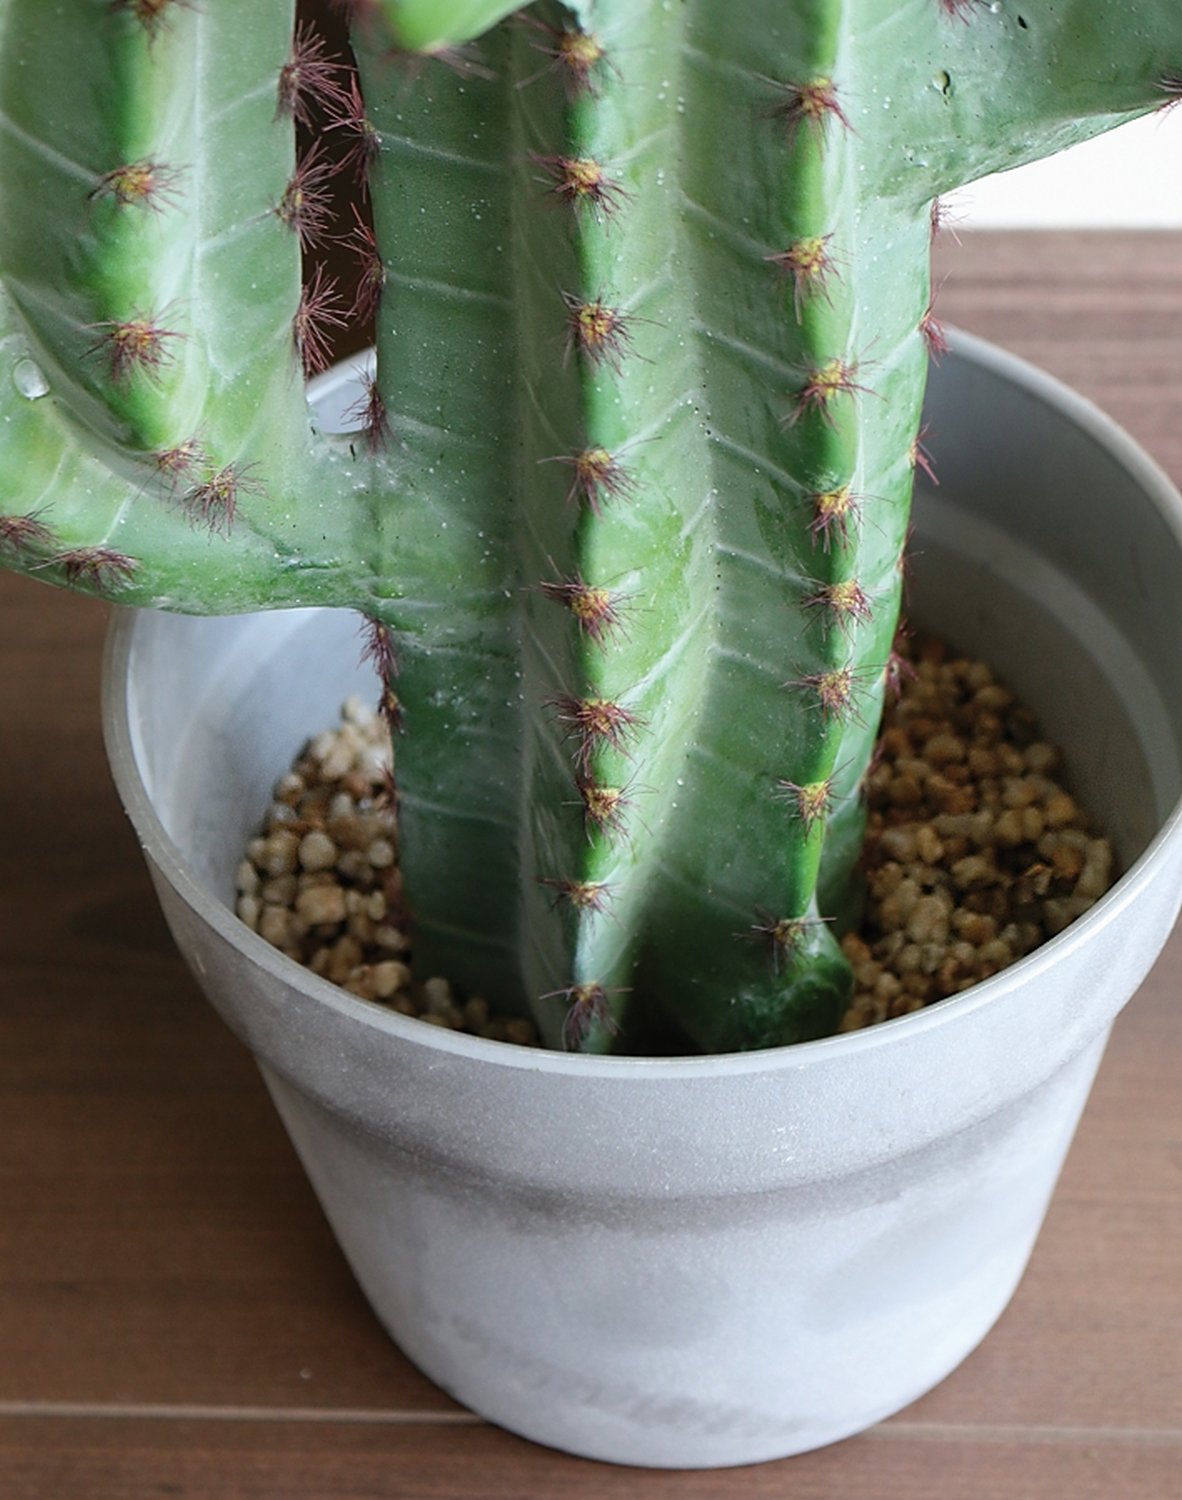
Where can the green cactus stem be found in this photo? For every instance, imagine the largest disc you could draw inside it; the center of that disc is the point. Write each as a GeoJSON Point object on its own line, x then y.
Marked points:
{"type": "Point", "coordinates": [629, 494]}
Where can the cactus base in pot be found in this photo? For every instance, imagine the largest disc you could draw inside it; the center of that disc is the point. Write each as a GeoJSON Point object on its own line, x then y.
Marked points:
{"type": "Point", "coordinates": [708, 1261]}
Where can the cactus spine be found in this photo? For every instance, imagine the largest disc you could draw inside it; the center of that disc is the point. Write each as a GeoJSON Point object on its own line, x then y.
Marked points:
{"type": "Point", "coordinates": [654, 315]}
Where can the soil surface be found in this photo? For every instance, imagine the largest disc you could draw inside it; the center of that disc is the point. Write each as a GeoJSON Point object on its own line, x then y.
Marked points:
{"type": "Point", "coordinates": [975, 852]}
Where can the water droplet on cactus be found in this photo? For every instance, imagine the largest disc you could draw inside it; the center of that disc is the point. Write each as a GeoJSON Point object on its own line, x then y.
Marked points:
{"type": "Point", "coordinates": [29, 379]}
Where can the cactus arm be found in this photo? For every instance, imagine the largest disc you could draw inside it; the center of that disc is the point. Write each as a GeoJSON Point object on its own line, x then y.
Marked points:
{"type": "Point", "coordinates": [869, 186]}
{"type": "Point", "coordinates": [75, 511]}
{"type": "Point", "coordinates": [91, 97]}
{"type": "Point", "coordinates": [955, 97]}
{"type": "Point", "coordinates": [76, 275]}
{"type": "Point", "coordinates": [142, 170]}
{"type": "Point", "coordinates": [436, 25]}
{"type": "Point", "coordinates": [739, 871]}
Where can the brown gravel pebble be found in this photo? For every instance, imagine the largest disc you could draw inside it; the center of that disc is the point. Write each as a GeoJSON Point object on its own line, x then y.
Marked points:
{"type": "Point", "coordinates": [964, 874]}
{"type": "Point", "coordinates": [974, 856]}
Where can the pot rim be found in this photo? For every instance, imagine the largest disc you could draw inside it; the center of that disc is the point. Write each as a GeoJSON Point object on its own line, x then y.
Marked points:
{"type": "Point", "coordinates": [1040, 387]}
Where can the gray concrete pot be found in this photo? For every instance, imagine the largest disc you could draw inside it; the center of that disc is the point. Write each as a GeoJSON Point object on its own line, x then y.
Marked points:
{"type": "Point", "coordinates": [712, 1260]}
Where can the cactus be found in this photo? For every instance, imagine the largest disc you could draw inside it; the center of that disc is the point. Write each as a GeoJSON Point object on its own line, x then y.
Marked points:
{"type": "Point", "coordinates": [628, 496]}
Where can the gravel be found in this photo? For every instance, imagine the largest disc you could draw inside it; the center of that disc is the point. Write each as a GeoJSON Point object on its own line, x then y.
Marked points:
{"type": "Point", "coordinates": [975, 854]}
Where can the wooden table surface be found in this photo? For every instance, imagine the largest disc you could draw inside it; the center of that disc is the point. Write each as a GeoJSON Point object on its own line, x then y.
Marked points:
{"type": "Point", "coordinates": [174, 1316]}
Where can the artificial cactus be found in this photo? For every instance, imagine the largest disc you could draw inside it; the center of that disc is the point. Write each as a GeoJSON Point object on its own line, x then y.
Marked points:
{"type": "Point", "coordinates": [628, 503]}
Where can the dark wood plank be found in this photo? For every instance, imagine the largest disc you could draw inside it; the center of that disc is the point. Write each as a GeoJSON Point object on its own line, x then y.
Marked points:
{"type": "Point", "coordinates": [327, 1461]}
{"type": "Point", "coordinates": [1103, 311]}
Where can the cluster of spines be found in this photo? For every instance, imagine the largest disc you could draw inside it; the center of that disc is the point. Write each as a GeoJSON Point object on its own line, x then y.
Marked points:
{"type": "Point", "coordinates": [380, 653]}
{"type": "Point", "coordinates": [320, 310]}
{"type": "Point", "coordinates": [32, 542]}
{"type": "Point", "coordinates": [810, 802]}
{"type": "Point", "coordinates": [834, 514]}
{"type": "Point", "coordinates": [370, 415]}
{"type": "Point", "coordinates": [782, 936]}
{"type": "Point", "coordinates": [810, 265]}
{"type": "Point", "coordinates": [581, 895]}
{"type": "Point", "coordinates": [582, 183]}
{"type": "Point", "coordinates": [365, 144]}
{"type": "Point", "coordinates": [836, 693]}
{"type": "Point", "coordinates": [596, 611]}
{"type": "Point", "coordinates": [371, 272]}
{"type": "Point", "coordinates": [596, 331]}
{"type": "Point", "coordinates": [604, 807]}
{"type": "Point", "coordinates": [152, 15]}
{"type": "Point", "coordinates": [154, 184]}
{"type": "Point", "coordinates": [309, 78]}
{"type": "Point", "coordinates": [596, 476]}
{"type": "Point", "coordinates": [576, 56]}
{"type": "Point", "coordinates": [813, 105]}
{"type": "Point", "coordinates": [595, 725]}
{"type": "Point", "coordinates": [588, 1010]}
{"type": "Point", "coordinates": [134, 345]}
{"type": "Point", "coordinates": [212, 500]}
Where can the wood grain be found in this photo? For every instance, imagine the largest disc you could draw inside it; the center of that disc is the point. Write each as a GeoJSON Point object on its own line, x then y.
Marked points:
{"type": "Point", "coordinates": [174, 1317]}
{"type": "Point", "coordinates": [127, 1460]}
